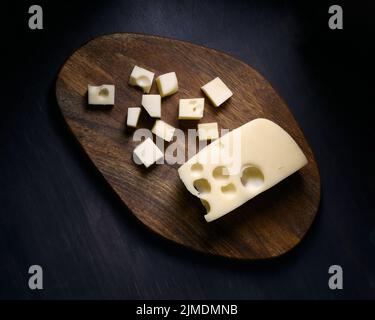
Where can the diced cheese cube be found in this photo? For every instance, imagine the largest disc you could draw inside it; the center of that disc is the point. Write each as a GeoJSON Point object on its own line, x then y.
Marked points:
{"type": "Point", "coordinates": [152, 104]}
{"type": "Point", "coordinates": [163, 130]}
{"type": "Point", "coordinates": [208, 131]}
{"type": "Point", "coordinates": [147, 153]}
{"type": "Point", "coordinates": [259, 155]}
{"type": "Point", "coordinates": [217, 91]}
{"type": "Point", "coordinates": [101, 95]}
{"type": "Point", "coordinates": [167, 84]}
{"type": "Point", "coordinates": [133, 116]}
{"type": "Point", "coordinates": [191, 108]}
{"type": "Point", "coordinates": [142, 78]}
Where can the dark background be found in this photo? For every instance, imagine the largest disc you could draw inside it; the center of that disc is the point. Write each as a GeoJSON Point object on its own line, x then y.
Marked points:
{"type": "Point", "coordinates": [57, 211]}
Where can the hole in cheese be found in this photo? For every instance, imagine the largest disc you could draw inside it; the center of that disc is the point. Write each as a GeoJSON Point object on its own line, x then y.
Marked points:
{"type": "Point", "coordinates": [196, 168]}
{"type": "Point", "coordinates": [143, 81]}
{"type": "Point", "coordinates": [206, 205]}
{"type": "Point", "coordinates": [252, 177]}
{"type": "Point", "coordinates": [202, 186]}
{"type": "Point", "coordinates": [229, 189]}
{"type": "Point", "coordinates": [220, 173]}
{"type": "Point", "coordinates": [103, 92]}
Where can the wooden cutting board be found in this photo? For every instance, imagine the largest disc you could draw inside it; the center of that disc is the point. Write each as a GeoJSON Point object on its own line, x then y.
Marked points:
{"type": "Point", "coordinates": [267, 226]}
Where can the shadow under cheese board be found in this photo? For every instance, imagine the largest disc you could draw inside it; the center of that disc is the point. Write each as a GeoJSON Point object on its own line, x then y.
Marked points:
{"type": "Point", "coordinates": [267, 226]}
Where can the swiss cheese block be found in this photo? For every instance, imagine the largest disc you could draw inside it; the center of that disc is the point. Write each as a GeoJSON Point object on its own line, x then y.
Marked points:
{"type": "Point", "coordinates": [101, 95]}
{"type": "Point", "coordinates": [217, 91]}
{"type": "Point", "coordinates": [142, 78]}
{"type": "Point", "coordinates": [240, 165]}
{"type": "Point", "coordinates": [163, 130]}
{"type": "Point", "coordinates": [167, 84]}
{"type": "Point", "coordinates": [208, 131]}
{"type": "Point", "coordinates": [133, 116]}
{"type": "Point", "coordinates": [147, 153]}
{"type": "Point", "coordinates": [152, 104]}
{"type": "Point", "coordinates": [191, 109]}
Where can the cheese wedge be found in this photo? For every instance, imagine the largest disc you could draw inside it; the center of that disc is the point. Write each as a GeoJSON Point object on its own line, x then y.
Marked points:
{"type": "Point", "coordinates": [240, 165]}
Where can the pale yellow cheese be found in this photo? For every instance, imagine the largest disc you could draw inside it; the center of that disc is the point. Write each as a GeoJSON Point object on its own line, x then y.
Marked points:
{"type": "Point", "coordinates": [163, 130]}
{"type": "Point", "coordinates": [240, 165]}
{"type": "Point", "coordinates": [133, 116]}
{"type": "Point", "coordinates": [152, 104]}
{"type": "Point", "coordinates": [101, 95]}
{"type": "Point", "coordinates": [142, 78]}
{"type": "Point", "coordinates": [217, 91]}
{"type": "Point", "coordinates": [167, 84]}
{"type": "Point", "coordinates": [147, 153]}
{"type": "Point", "coordinates": [208, 131]}
{"type": "Point", "coordinates": [191, 109]}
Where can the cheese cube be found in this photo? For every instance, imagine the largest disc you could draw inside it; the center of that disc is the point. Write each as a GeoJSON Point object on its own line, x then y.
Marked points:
{"type": "Point", "coordinates": [133, 116]}
{"type": "Point", "coordinates": [142, 78]}
{"type": "Point", "coordinates": [167, 84]}
{"type": "Point", "coordinates": [259, 154]}
{"type": "Point", "coordinates": [152, 104]}
{"type": "Point", "coordinates": [191, 109]}
{"type": "Point", "coordinates": [217, 91]}
{"type": "Point", "coordinates": [101, 95]}
{"type": "Point", "coordinates": [147, 153]}
{"type": "Point", "coordinates": [208, 131]}
{"type": "Point", "coordinates": [163, 130]}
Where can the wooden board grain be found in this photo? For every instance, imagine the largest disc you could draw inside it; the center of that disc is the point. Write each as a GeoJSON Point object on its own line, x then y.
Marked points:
{"type": "Point", "coordinates": [267, 226]}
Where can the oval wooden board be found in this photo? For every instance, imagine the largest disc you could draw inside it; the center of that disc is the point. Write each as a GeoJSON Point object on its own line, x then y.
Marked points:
{"type": "Point", "coordinates": [267, 226]}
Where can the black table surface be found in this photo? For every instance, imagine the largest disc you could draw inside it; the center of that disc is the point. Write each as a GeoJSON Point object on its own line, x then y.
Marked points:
{"type": "Point", "coordinates": [57, 211]}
